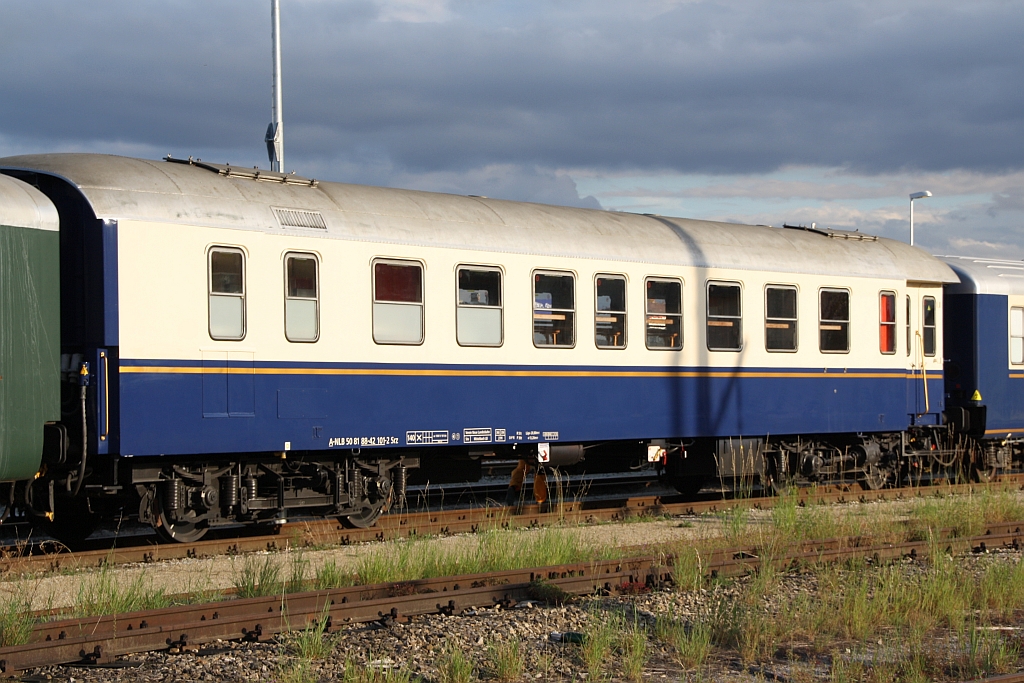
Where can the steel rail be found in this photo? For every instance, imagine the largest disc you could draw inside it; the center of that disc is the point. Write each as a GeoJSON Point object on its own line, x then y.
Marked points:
{"type": "Point", "coordinates": [321, 533]}
{"type": "Point", "coordinates": [102, 639]}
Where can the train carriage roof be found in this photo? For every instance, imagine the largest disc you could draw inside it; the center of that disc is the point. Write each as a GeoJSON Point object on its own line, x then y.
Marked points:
{"type": "Point", "coordinates": [122, 188]}
{"type": "Point", "coordinates": [23, 206]}
{"type": "Point", "coordinates": [986, 275]}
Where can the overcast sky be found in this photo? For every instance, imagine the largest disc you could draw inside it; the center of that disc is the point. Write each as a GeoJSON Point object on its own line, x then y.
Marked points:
{"type": "Point", "coordinates": [757, 111]}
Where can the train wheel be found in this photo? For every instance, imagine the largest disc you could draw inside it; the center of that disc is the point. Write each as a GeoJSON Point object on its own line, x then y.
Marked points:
{"type": "Point", "coordinates": [365, 519]}
{"type": "Point", "coordinates": [180, 531]}
{"type": "Point", "coordinates": [374, 504]}
{"type": "Point", "coordinates": [983, 474]}
{"type": "Point", "coordinates": [874, 478]}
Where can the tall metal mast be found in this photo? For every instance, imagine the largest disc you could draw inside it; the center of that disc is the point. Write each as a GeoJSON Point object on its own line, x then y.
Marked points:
{"type": "Point", "coordinates": [275, 131]}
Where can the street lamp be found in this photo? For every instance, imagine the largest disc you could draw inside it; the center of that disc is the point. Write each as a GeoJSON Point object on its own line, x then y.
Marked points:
{"type": "Point", "coordinates": [916, 195]}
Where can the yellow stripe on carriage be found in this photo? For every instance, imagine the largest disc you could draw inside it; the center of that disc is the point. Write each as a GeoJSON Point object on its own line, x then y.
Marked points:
{"type": "Point", "coordinates": [398, 372]}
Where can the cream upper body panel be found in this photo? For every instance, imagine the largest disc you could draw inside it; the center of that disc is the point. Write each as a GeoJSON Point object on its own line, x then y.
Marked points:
{"type": "Point", "coordinates": [163, 306]}
{"type": "Point", "coordinates": [170, 214]}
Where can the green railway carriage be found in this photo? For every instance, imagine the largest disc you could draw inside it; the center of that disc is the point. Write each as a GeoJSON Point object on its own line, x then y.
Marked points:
{"type": "Point", "coordinates": [29, 326]}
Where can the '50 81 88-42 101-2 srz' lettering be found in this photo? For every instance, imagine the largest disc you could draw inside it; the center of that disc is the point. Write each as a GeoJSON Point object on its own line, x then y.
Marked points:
{"type": "Point", "coordinates": [342, 441]}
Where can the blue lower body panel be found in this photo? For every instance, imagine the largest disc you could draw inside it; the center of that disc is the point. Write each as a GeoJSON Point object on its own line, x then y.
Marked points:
{"type": "Point", "coordinates": [183, 408]}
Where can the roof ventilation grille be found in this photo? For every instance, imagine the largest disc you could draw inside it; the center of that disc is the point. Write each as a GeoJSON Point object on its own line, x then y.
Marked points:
{"type": "Point", "coordinates": [300, 218]}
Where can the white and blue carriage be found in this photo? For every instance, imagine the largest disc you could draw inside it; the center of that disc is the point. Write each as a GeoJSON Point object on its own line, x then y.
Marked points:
{"type": "Point", "coordinates": [259, 343]}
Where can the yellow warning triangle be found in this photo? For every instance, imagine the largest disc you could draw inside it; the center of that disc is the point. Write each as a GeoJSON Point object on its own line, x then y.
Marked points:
{"type": "Point", "coordinates": [976, 396]}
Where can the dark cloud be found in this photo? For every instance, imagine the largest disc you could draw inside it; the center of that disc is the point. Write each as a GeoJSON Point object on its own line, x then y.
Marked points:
{"type": "Point", "coordinates": [1012, 200]}
{"type": "Point", "coordinates": [740, 87]}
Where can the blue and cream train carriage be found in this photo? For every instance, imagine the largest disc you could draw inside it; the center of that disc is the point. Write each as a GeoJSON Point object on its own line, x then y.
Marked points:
{"type": "Point", "coordinates": [255, 344]}
{"type": "Point", "coordinates": [985, 357]}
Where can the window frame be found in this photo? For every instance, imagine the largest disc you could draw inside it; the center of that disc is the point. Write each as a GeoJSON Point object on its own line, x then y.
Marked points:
{"type": "Point", "coordinates": [682, 291]}
{"type": "Point", "coordinates": [210, 293]}
{"type": "Point", "coordinates": [501, 307]}
{"type": "Point", "coordinates": [795, 321]}
{"type": "Point", "coordinates": [848, 321]}
{"type": "Point", "coordinates": [883, 323]}
{"type": "Point", "coordinates": [389, 260]}
{"type": "Point", "coordinates": [623, 313]}
{"type": "Point", "coordinates": [316, 299]}
{"type": "Point", "coordinates": [533, 306]}
{"type": "Point", "coordinates": [1012, 336]}
{"type": "Point", "coordinates": [934, 326]}
{"type": "Point", "coordinates": [708, 316]}
{"type": "Point", "coordinates": [909, 326]}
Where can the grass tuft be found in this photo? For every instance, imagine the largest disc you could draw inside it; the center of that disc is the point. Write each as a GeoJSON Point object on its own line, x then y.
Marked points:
{"type": "Point", "coordinates": [258, 577]}
{"type": "Point", "coordinates": [492, 550]}
{"type": "Point", "coordinates": [549, 593]}
{"type": "Point", "coordinates": [509, 660]}
{"type": "Point", "coordinates": [313, 642]}
{"type": "Point", "coordinates": [330, 575]}
{"type": "Point", "coordinates": [454, 666]}
{"type": "Point", "coordinates": [690, 640]}
{"type": "Point", "coordinates": [16, 622]}
{"type": "Point", "coordinates": [633, 644]}
{"type": "Point", "coordinates": [598, 639]}
{"type": "Point", "coordinates": [107, 592]}
{"type": "Point", "coordinates": [355, 672]}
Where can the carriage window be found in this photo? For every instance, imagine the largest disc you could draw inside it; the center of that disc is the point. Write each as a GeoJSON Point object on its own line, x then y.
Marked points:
{"type": "Point", "coordinates": [478, 309]}
{"type": "Point", "coordinates": [929, 326]}
{"type": "Point", "coordinates": [908, 324]}
{"type": "Point", "coordinates": [887, 322]}
{"type": "Point", "coordinates": [834, 320]}
{"type": "Point", "coordinates": [780, 318]}
{"type": "Point", "coordinates": [1017, 336]}
{"type": "Point", "coordinates": [227, 294]}
{"type": "Point", "coordinates": [724, 323]}
{"type": "Point", "coordinates": [301, 304]}
{"type": "Point", "coordinates": [397, 302]}
{"type": "Point", "coordinates": [610, 313]}
{"type": "Point", "coordinates": [664, 314]}
{"type": "Point", "coordinates": [554, 305]}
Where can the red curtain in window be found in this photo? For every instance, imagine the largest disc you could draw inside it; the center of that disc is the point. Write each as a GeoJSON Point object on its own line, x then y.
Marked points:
{"type": "Point", "coordinates": [393, 282]}
{"type": "Point", "coordinates": [887, 323]}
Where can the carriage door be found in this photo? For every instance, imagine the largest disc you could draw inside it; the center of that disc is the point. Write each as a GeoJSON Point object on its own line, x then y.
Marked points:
{"type": "Point", "coordinates": [910, 330]}
{"type": "Point", "coordinates": [920, 344]}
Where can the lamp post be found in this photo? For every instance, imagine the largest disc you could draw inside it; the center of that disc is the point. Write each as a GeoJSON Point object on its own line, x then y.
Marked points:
{"type": "Point", "coordinates": [275, 131]}
{"type": "Point", "coordinates": [916, 195]}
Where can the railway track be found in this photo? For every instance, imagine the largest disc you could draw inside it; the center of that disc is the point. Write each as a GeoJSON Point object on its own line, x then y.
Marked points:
{"type": "Point", "coordinates": [325, 533]}
{"type": "Point", "coordinates": [100, 640]}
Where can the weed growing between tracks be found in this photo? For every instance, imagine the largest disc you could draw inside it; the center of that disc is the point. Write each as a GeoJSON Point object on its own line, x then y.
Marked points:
{"type": "Point", "coordinates": [790, 521]}
{"type": "Point", "coordinates": [632, 643]}
{"type": "Point", "coordinates": [330, 575]}
{"type": "Point", "coordinates": [968, 514]}
{"type": "Point", "coordinates": [355, 674]}
{"type": "Point", "coordinates": [108, 592]}
{"type": "Point", "coordinates": [258, 577]}
{"type": "Point", "coordinates": [313, 644]}
{"type": "Point", "coordinates": [454, 666]}
{"type": "Point", "coordinates": [938, 620]}
{"type": "Point", "coordinates": [507, 660]}
{"type": "Point", "coordinates": [16, 621]}
{"type": "Point", "coordinates": [493, 550]}
{"type": "Point", "coordinates": [690, 640]}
